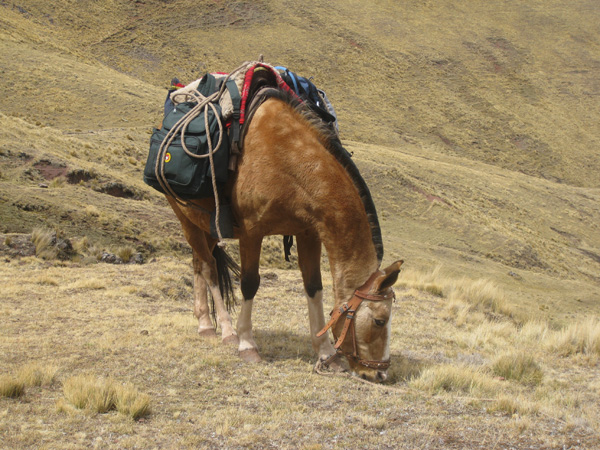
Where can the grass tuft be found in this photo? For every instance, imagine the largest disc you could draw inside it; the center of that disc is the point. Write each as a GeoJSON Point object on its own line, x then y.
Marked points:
{"type": "Point", "coordinates": [11, 387]}
{"type": "Point", "coordinates": [36, 375]}
{"type": "Point", "coordinates": [130, 402]}
{"type": "Point", "coordinates": [482, 295]}
{"type": "Point", "coordinates": [423, 281]}
{"type": "Point", "coordinates": [105, 394]}
{"type": "Point", "coordinates": [447, 378]}
{"type": "Point", "coordinates": [44, 241]}
{"type": "Point", "coordinates": [518, 366]}
{"type": "Point", "coordinates": [125, 253]}
{"type": "Point", "coordinates": [581, 337]}
{"type": "Point", "coordinates": [511, 405]}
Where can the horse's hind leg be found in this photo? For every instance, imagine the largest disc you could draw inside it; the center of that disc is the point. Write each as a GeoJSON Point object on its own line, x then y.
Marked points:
{"type": "Point", "coordinates": [207, 267]}
{"type": "Point", "coordinates": [309, 260]}
{"type": "Point", "coordinates": [250, 257]}
{"type": "Point", "coordinates": [205, 275]}
{"type": "Point", "coordinates": [201, 309]}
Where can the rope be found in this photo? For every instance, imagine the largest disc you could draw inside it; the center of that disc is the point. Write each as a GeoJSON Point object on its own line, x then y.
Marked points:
{"type": "Point", "coordinates": [205, 104]}
{"type": "Point", "coordinates": [320, 365]}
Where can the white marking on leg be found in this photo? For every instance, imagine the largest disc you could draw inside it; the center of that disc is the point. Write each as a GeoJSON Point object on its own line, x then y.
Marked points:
{"type": "Point", "coordinates": [321, 345]}
{"type": "Point", "coordinates": [201, 310]}
{"type": "Point", "coordinates": [244, 327]}
{"type": "Point", "coordinates": [223, 316]}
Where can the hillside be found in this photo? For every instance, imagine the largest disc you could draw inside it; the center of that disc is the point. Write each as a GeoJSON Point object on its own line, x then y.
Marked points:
{"type": "Point", "coordinates": [482, 139]}
{"type": "Point", "coordinates": [476, 126]}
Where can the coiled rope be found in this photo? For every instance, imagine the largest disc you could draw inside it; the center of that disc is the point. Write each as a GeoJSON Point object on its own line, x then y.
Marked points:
{"type": "Point", "coordinates": [204, 106]}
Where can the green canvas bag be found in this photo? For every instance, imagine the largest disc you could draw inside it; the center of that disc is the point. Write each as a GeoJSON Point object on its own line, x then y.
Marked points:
{"type": "Point", "coordinates": [190, 177]}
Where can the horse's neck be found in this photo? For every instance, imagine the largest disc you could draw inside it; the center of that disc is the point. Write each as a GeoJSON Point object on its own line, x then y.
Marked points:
{"type": "Point", "coordinates": [346, 235]}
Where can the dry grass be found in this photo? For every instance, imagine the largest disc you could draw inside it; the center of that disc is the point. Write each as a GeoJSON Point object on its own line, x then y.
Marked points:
{"type": "Point", "coordinates": [43, 239]}
{"type": "Point", "coordinates": [202, 395]}
{"type": "Point", "coordinates": [11, 387]}
{"type": "Point", "coordinates": [582, 337]}
{"type": "Point", "coordinates": [463, 295]}
{"type": "Point", "coordinates": [449, 378]}
{"type": "Point", "coordinates": [518, 366]}
{"type": "Point", "coordinates": [102, 395]}
{"type": "Point", "coordinates": [125, 253]}
{"type": "Point", "coordinates": [482, 163]}
{"type": "Point", "coordinates": [37, 375]}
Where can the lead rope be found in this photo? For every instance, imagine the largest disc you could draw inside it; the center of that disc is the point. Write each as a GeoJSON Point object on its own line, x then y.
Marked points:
{"type": "Point", "coordinates": [204, 103]}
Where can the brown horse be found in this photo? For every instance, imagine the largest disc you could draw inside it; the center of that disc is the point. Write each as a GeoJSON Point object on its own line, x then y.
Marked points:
{"type": "Point", "coordinates": [294, 178]}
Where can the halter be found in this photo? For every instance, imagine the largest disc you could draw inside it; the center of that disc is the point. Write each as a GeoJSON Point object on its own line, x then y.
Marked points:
{"type": "Point", "coordinates": [349, 308]}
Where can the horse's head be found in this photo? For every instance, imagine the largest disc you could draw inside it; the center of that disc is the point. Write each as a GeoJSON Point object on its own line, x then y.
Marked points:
{"type": "Point", "coordinates": [361, 327]}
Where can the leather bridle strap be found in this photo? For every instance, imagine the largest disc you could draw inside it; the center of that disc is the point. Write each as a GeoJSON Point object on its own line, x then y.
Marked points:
{"type": "Point", "coordinates": [350, 310]}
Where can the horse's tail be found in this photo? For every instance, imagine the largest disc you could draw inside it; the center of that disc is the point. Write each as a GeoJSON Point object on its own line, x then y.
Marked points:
{"type": "Point", "coordinates": [225, 267]}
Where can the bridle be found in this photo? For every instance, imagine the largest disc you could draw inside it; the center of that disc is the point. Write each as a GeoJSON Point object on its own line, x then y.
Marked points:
{"type": "Point", "coordinates": [349, 309]}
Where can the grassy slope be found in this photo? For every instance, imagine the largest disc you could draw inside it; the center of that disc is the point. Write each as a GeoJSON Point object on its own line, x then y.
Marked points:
{"type": "Point", "coordinates": [463, 108]}
{"type": "Point", "coordinates": [475, 126]}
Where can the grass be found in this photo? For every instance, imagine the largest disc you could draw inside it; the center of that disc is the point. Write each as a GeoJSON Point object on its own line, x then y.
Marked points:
{"type": "Point", "coordinates": [581, 337]}
{"type": "Point", "coordinates": [131, 337]}
{"type": "Point", "coordinates": [44, 241]}
{"type": "Point", "coordinates": [125, 253]}
{"type": "Point", "coordinates": [518, 366]}
{"type": "Point", "coordinates": [477, 140]}
{"type": "Point", "coordinates": [449, 378]}
{"type": "Point", "coordinates": [37, 375]}
{"type": "Point", "coordinates": [11, 387]}
{"type": "Point", "coordinates": [102, 395]}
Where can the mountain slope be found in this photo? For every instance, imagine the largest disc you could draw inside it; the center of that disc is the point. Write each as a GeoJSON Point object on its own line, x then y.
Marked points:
{"type": "Point", "coordinates": [476, 126]}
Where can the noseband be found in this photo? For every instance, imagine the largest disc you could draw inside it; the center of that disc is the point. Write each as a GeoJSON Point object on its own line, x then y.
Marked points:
{"type": "Point", "coordinates": [349, 308]}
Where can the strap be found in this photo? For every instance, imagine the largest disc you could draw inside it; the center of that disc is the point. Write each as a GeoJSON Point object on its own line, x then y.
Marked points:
{"type": "Point", "coordinates": [335, 315]}
{"type": "Point", "coordinates": [344, 332]}
{"type": "Point", "coordinates": [288, 242]}
{"type": "Point", "coordinates": [236, 100]}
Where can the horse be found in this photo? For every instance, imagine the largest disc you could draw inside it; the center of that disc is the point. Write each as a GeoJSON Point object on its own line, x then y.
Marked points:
{"type": "Point", "coordinates": [294, 178]}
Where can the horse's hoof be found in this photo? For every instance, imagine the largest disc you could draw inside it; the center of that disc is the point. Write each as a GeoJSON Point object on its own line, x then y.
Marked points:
{"type": "Point", "coordinates": [250, 356]}
{"type": "Point", "coordinates": [232, 339]}
{"type": "Point", "coordinates": [207, 332]}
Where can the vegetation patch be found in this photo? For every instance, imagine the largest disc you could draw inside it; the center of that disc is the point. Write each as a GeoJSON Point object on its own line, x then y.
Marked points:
{"type": "Point", "coordinates": [518, 366]}
{"type": "Point", "coordinates": [448, 378]}
{"type": "Point", "coordinates": [102, 395]}
{"type": "Point", "coordinates": [581, 337]}
{"type": "Point", "coordinates": [11, 387]}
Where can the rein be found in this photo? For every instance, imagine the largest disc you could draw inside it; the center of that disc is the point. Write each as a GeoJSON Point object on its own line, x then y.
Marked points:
{"type": "Point", "coordinates": [349, 309]}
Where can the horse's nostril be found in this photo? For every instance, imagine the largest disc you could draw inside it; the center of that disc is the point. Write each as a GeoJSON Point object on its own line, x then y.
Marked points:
{"type": "Point", "coordinates": [363, 376]}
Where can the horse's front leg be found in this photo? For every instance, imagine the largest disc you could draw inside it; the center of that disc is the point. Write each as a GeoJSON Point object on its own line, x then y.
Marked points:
{"type": "Point", "coordinates": [250, 257]}
{"type": "Point", "coordinates": [309, 260]}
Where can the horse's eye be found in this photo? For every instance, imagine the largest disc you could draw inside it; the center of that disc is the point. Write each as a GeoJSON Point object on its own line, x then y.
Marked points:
{"type": "Point", "coordinates": [379, 322]}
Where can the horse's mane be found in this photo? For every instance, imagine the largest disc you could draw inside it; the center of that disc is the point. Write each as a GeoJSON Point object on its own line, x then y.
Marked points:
{"type": "Point", "coordinates": [332, 143]}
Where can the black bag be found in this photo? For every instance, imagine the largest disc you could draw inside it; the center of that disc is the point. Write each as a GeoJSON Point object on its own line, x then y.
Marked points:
{"type": "Point", "coordinates": [190, 177]}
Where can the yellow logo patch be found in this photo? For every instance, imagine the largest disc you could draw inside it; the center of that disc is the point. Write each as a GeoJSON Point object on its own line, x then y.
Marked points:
{"type": "Point", "coordinates": [167, 157]}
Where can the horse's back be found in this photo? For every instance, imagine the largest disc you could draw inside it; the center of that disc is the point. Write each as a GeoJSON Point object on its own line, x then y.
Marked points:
{"type": "Point", "coordinates": [284, 168]}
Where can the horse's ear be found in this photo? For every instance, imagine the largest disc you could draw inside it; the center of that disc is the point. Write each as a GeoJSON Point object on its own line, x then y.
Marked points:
{"type": "Point", "coordinates": [389, 276]}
